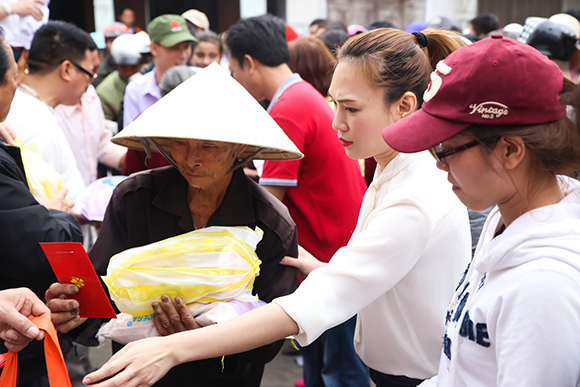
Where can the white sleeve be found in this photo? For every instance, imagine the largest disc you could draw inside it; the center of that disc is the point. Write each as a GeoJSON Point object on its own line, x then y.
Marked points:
{"type": "Point", "coordinates": [536, 327]}
{"type": "Point", "coordinates": [429, 382]}
{"type": "Point", "coordinates": [374, 261]}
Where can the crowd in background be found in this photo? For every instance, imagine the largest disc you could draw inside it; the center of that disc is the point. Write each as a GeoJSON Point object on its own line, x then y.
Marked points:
{"type": "Point", "coordinates": [74, 91]}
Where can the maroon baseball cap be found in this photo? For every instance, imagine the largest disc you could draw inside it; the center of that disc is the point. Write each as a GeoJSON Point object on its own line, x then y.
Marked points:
{"type": "Point", "coordinates": [496, 81]}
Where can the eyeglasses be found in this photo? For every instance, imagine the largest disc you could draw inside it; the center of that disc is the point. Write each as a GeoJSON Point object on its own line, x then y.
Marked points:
{"type": "Point", "coordinates": [440, 154]}
{"type": "Point", "coordinates": [78, 66]}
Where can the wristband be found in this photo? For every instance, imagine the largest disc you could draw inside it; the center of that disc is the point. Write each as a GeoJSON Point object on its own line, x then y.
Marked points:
{"type": "Point", "coordinates": [7, 9]}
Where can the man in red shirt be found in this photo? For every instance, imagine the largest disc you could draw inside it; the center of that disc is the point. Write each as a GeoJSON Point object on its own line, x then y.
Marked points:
{"type": "Point", "coordinates": [323, 191]}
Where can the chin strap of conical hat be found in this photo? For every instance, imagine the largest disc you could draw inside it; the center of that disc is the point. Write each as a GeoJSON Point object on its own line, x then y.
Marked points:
{"type": "Point", "coordinates": [147, 142]}
{"type": "Point", "coordinates": [244, 161]}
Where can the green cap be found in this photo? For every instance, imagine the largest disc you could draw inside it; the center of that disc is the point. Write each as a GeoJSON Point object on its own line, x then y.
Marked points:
{"type": "Point", "coordinates": [169, 30]}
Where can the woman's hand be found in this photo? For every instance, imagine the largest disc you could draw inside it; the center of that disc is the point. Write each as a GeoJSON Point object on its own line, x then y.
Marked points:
{"type": "Point", "coordinates": [58, 202]}
{"type": "Point", "coordinates": [7, 133]}
{"type": "Point", "coordinates": [16, 306]}
{"type": "Point", "coordinates": [172, 318]}
{"type": "Point", "coordinates": [305, 262]}
{"type": "Point", "coordinates": [65, 312]}
{"type": "Point", "coordinates": [138, 364]}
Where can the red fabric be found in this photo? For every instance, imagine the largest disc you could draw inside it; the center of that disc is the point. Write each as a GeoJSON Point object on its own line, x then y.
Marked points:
{"type": "Point", "coordinates": [327, 198]}
{"type": "Point", "coordinates": [136, 161]}
{"type": "Point", "coordinates": [291, 34]}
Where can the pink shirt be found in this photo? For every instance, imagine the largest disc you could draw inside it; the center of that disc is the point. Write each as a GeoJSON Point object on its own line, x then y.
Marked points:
{"type": "Point", "coordinates": [84, 127]}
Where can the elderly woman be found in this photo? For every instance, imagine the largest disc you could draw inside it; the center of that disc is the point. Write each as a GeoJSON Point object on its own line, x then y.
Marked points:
{"type": "Point", "coordinates": [204, 188]}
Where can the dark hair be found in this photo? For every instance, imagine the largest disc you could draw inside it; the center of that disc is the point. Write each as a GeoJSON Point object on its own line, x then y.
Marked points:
{"type": "Point", "coordinates": [174, 77]}
{"type": "Point", "coordinates": [334, 39]}
{"type": "Point", "coordinates": [393, 60]}
{"type": "Point", "coordinates": [56, 42]}
{"type": "Point", "coordinates": [381, 24]}
{"type": "Point", "coordinates": [5, 56]}
{"type": "Point", "coordinates": [330, 25]}
{"type": "Point", "coordinates": [310, 58]}
{"type": "Point", "coordinates": [555, 145]}
{"type": "Point", "coordinates": [483, 24]}
{"type": "Point", "coordinates": [317, 22]}
{"type": "Point", "coordinates": [210, 37]}
{"type": "Point", "coordinates": [126, 8]}
{"type": "Point", "coordinates": [262, 37]}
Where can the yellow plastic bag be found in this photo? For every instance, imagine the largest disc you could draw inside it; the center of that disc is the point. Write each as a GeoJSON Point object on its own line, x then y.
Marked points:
{"type": "Point", "coordinates": [207, 265]}
{"type": "Point", "coordinates": [43, 180]}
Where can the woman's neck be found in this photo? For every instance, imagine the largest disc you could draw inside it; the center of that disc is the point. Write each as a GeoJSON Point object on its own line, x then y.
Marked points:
{"type": "Point", "coordinates": [385, 158]}
{"type": "Point", "coordinates": [541, 194]}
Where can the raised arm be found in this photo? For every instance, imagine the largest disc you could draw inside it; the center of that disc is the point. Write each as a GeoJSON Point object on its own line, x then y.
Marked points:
{"type": "Point", "coordinates": [144, 362]}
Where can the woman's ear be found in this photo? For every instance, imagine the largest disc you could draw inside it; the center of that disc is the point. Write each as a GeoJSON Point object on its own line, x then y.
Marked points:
{"type": "Point", "coordinates": [406, 105]}
{"type": "Point", "coordinates": [511, 150]}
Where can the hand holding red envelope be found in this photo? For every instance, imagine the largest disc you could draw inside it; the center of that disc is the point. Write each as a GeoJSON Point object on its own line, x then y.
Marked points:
{"type": "Point", "coordinates": [72, 265]}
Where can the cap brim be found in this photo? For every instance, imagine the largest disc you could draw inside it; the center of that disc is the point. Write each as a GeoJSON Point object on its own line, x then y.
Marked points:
{"type": "Point", "coordinates": [420, 131]}
{"type": "Point", "coordinates": [127, 61]}
{"type": "Point", "coordinates": [175, 38]}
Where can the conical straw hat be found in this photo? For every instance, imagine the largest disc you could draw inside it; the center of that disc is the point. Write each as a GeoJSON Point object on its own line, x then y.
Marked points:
{"type": "Point", "coordinates": [212, 106]}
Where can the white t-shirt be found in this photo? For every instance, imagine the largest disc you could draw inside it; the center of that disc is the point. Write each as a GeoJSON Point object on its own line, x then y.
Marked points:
{"type": "Point", "coordinates": [36, 125]}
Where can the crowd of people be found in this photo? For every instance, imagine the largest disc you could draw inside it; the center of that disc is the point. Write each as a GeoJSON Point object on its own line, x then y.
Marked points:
{"type": "Point", "coordinates": [416, 192]}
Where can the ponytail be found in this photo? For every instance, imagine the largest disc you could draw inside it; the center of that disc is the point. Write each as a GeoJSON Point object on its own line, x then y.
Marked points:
{"type": "Point", "coordinates": [441, 44]}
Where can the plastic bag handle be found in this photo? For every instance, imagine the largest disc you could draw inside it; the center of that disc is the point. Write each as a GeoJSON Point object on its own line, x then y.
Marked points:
{"type": "Point", "coordinates": [57, 373]}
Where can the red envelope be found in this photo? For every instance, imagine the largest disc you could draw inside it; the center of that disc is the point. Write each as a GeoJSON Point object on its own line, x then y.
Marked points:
{"type": "Point", "coordinates": [71, 264]}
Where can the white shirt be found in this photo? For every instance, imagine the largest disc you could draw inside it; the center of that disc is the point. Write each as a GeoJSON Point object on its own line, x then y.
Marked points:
{"type": "Point", "coordinates": [35, 123]}
{"type": "Point", "coordinates": [398, 271]}
{"type": "Point", "coordinates": [83, 125]}
{"type": "Point", "coordinates": [19, 30]}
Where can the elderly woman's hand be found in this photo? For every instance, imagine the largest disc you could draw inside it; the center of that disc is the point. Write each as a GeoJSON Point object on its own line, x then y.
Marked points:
{"type": "Point", "coordinates": [172, 317]}
{"type": "Point", "coordinates": [65, 312]}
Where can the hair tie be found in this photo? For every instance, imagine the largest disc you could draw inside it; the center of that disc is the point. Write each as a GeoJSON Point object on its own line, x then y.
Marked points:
{"type": "Point", "coordinates": [422, 40]}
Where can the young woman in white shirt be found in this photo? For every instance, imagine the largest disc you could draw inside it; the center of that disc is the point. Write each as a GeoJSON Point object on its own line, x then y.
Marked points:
{"type": "Point", "coordinates": [410, 246]}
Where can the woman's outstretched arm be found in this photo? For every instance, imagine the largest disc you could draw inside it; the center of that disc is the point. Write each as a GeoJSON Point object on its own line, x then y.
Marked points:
{"type": "Point", "coordinates": [144, 362]}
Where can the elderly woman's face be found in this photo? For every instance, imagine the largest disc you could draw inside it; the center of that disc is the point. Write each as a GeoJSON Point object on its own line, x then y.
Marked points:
{"type": "Point", "coordinates": [204, 164]}
{"type": "Point", "coordinates": [8, 86]}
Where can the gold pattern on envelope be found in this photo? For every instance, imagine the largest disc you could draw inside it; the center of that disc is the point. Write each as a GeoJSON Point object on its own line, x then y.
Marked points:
{"type": "Point", "coordinates": [79, 282]}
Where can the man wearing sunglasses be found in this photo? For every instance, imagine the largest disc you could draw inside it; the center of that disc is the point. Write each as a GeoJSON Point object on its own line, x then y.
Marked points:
{"type": "Point", "coordinates": [62, 63]}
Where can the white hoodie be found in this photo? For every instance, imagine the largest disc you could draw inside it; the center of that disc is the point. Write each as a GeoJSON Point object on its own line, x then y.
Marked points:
{"type": "Point", "coordinates": [515, 318]}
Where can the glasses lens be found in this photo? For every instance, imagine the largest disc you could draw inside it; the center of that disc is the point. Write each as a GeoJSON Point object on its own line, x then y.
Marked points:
{"type": "Point", "coordinates": [436, 152]}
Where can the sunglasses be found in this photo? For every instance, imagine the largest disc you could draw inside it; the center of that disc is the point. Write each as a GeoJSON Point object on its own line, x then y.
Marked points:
{"type": "Point", "coordinates": [440, 154]}
{"type": "Point", "coordinates": [78, 66]}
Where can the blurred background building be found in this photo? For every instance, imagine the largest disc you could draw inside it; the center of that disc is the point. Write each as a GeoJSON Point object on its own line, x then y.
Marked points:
{"type": "Point", "coordinates": [93, 15]}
